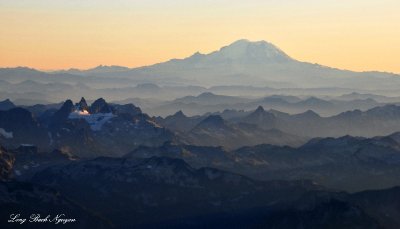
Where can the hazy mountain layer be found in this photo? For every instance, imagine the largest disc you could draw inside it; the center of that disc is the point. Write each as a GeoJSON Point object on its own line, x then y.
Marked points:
{"type": "Point", "coordinates": [249, 63]}
{"type": "Point", "coordinates": [381, 120]}
{"type": "Point", "coordinates": [241, 68]}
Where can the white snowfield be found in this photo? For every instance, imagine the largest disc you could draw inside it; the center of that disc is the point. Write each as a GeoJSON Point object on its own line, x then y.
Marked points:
{"type": "Point", "coordinates": [96, 121]}
{"type": "Point", "coordinates": [6, 134]}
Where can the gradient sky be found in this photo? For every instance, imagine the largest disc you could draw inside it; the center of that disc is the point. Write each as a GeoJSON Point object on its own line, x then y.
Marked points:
{"type": "Point", "coordinates": [53, 34]}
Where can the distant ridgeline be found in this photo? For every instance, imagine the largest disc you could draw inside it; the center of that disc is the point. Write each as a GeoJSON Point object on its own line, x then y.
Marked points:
{"type": "Point", "coordinates": [241, 68]}
{"type": "Point", "coordinates": [113, 129]}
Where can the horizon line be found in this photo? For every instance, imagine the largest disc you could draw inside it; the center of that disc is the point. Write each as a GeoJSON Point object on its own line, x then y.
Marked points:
{"type": "Point", "coordinates": [52, 70]}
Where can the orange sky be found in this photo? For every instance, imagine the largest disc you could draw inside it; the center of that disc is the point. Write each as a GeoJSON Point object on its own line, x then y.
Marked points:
{"type": "Point", "coordinates": [54, 34]}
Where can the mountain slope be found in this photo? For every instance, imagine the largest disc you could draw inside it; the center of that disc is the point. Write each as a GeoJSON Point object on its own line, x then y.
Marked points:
{"type": "Point", "coordinates": [103, 129]}
{"type": "Point", "coordinates": [135, 185]}
{"type": "Point", "coordinates": [198, 198]}
{"type": "Point", "coordinates": [82, 130]}
{"type": "Point", "coordinates": [377, 121]}
{"type": "Point", "coordinates": [345, 163]}
{"type": "Point", "coordinates": [215, 131]}
{"type": "Point", "coordinates": [6, 105]}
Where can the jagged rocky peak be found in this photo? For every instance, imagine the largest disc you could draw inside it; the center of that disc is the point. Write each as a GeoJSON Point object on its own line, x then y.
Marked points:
{"type": "Point", "coordinates": [97, 114]}
{"type": "Point", "coordinates": [309, 114]}
{"type": "Point", "coordinates": [104, 68]}
{"type": "Point", "coordinates": [64, 111]}
{"type": "Point", "coordinates": [179, 114]}
{"type": "Point", "coordinates": [212, 121]}
{"type": "Point", "coordinates": [68, 106]}
{"type": "Point", "coordinates": [260, 109]}
{"type": "Point", "coordinates": [100, 106]}
{"type": "Point", "coordinates": [260, 112]}
{"type": "Point", "coordinates": [6, 104]}
{"type": "Point", "coordinates": [206, 95]}
{"type": "Point", "coordinates": [82, 105]}
{"type": "Point", "coordinates": [259, 115]}
{"type": "Point", "coordinates": [196, 55]}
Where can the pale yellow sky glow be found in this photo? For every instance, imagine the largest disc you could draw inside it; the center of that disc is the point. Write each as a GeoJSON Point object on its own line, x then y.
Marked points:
{"type": "Point", "coordinates": [358, 35]}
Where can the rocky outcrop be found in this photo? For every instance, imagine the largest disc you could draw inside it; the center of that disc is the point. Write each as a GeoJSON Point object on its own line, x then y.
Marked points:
{"type": "Point", "coordinates": [100, 106]}
{"type": "Point", "coordinates": [62, 114]}
{"type": "Point", "coordinates": [6, 164]}
{"type": "Point", "coordinates": [82, 105]}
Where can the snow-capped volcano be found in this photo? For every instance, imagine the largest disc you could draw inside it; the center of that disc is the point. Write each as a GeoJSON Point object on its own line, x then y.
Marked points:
{"type": "Point", "coordinates": [260, 51]}
{"type": "Point", "coordinates": [258, 63]}
{"type": "Point", "coordinates": [243, 52]}
{"type": "Point", "coordinates": [242, 62]}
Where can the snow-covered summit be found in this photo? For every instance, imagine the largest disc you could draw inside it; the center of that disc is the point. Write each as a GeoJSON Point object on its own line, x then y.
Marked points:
{"type": "Point", "coordinates": [96, 121]}
{"type": "Point", "coordinates": [259, 50]}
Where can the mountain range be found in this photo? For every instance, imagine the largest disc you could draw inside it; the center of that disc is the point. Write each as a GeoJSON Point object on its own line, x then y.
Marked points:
{"type": "Point", "coordinates": [249, 63]}
{"type": "Point", "coordinates": [242, 63]}
{"type": "Point", "coordinates": [345, 163]}
{"type": "Point", "coordinates": [84, 130]}
{"type": "Point", "coordinates": [113, 129]}
{"type": "Point", "coordinates": [258, 168]}
{"type": "Point", "coordinates": [381, 120]}
{"type": "Point", "coordinates": [242, 137]}
{"type": "Point", "coordinates": [194, 197]}
{"type": "Point", "coordinates": [210, 102]}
